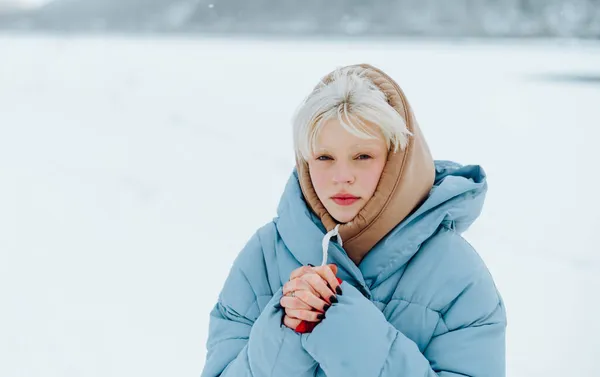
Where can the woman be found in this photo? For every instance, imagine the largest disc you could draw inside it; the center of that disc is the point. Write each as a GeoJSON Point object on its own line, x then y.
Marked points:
{"type": "Point", "coordinates": [364, 271]}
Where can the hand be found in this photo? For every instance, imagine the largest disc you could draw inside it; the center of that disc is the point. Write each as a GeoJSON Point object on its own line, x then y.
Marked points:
{"type": "Point", "coordinates": [327, 272]}
{"type": "Point", "coordinates": [366, 333]}
{"type": "Point", "coordinates": [307, 296]}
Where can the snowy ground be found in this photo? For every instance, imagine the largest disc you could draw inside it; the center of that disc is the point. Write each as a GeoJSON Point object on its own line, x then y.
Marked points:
{"type": "Point", "coordinates": [133, 170]}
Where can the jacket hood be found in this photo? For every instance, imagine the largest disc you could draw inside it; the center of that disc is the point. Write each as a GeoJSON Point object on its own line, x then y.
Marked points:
{"type": "Point", "coordinates": [455, 200]}
{"type": "Point", "coordinates": [405, 181]}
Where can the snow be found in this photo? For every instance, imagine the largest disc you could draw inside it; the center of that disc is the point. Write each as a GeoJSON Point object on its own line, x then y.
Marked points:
{"type": "Point", "coordinates": [132, 171]}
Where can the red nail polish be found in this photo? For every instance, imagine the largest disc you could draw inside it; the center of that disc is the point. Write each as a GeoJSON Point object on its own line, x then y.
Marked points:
{"type": "Point", "coordinates": [339, 280]}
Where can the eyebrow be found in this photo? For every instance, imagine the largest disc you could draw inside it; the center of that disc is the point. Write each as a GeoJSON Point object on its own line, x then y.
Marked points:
{"type": "Point", "coordinates": [353, 147]}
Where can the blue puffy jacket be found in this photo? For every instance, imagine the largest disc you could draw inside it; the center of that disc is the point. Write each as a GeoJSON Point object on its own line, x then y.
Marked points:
{"type": "Point", "coordinates": [421, 303]}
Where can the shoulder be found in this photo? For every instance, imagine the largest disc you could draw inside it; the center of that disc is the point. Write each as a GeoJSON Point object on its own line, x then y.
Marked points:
{"type": "Point", "coordinates": [255, 248]}
{"type": "Point", "coordinates": [448, 274]}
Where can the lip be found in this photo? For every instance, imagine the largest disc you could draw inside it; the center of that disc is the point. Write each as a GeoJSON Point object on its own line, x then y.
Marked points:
{"type": "Point", "coordinates": [344, 199]}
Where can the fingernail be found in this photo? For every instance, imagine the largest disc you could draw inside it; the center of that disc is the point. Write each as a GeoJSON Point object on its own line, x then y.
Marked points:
{"type": "Point", "coordinates": [310, 265]}
{"type": "Point", "coordinates": [278, 306]}
{"type": "Point", "coordinates": [320, 316]}
{"type": "Point", "coordinates": [326, 306]}
{"type": "Point", "coordinates": [333, 299]}
{"type": "Point", "coordinates": [338, 289]}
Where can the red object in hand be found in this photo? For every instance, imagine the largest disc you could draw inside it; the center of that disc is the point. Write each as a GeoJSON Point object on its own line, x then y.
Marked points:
{"type": "Point", "coordinates": [306, 327]}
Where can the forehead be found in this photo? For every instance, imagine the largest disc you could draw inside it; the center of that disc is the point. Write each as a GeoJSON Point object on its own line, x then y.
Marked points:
{"type": "Point", "coordinates": [333, 136]}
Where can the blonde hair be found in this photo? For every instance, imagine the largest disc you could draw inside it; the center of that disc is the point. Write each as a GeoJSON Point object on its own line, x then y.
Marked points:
{"type": "Point", "coordinates": [351, 98]}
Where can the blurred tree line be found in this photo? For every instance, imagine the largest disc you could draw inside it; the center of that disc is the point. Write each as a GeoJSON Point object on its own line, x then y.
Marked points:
{"type": "Point", "coordinates": [456, 18]}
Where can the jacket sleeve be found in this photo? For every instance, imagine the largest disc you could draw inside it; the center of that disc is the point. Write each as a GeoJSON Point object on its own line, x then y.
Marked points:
{"type": "Point", "coordinates": [244, 340]}
{"type": "Point", "coordinates": [355, 339]}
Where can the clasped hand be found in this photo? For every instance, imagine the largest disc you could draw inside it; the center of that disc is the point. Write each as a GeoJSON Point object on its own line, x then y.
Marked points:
{"type": "Point", "coordinates": [307, 296]}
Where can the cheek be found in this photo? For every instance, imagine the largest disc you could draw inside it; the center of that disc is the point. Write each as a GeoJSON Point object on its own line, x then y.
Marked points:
{"type": "Point", "coordinates": [318, 178]}
{"type": "Point", "coordinates": [371, 181]}
{"type": "Point", "coordinates": [371, 178]}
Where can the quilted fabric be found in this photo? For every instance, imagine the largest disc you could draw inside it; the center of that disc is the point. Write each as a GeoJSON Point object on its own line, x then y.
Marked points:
{"type": "Point", "coordinates": [421, 303]}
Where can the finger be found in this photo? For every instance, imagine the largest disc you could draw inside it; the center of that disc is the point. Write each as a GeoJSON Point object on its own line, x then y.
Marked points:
{"type": "Point", "coordinates": [290, 322]}
{"type": "Point", "coordinates": [293, 285]}
{"type": "Point", "coordinates": [327, 274]}
{"type": "Point", "coordinates": [297, 284]}
{"type": "Point", "coordinates": [334, 268]}
{"type": "Point", "coordinates": [311, 300]}
{"type": "Point", "coordinates": [318, 284]}
{"type": "Point", "coordinates": [288, 287]}
{"type": "Point", "coordinates": [294, 302]}
{"type": "Point", "coordinates": [305, 315]}
{"type": "Point", "coordinates": [300, 271]}
{"type": "Point", "coordinates": [303, 270]}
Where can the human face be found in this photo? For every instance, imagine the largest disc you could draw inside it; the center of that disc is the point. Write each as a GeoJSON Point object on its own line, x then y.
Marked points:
{"type": "Point", "coordinates": [345, 169]}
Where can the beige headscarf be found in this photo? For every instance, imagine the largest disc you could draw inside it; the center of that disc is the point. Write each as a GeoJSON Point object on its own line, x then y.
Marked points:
{"type": "Point", "coordinates": [405, 183]}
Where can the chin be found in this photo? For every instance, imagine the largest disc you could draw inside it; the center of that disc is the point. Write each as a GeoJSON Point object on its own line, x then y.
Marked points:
{"type": "Point", "coordinates": [343, 217]}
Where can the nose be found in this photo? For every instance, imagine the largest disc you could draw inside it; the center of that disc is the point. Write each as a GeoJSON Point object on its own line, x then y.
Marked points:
{"type": "Point", "coordinates": [343, 174]}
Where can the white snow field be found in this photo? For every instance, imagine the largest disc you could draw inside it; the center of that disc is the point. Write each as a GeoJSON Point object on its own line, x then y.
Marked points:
{"type": "Point", "coordinates": [134, 169]}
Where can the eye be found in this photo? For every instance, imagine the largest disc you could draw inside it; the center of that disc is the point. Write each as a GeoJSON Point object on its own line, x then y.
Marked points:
{"type": "Point", "coordinates": [324, 158]}
{"type": "Point", "coordinates": [363, 157]}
